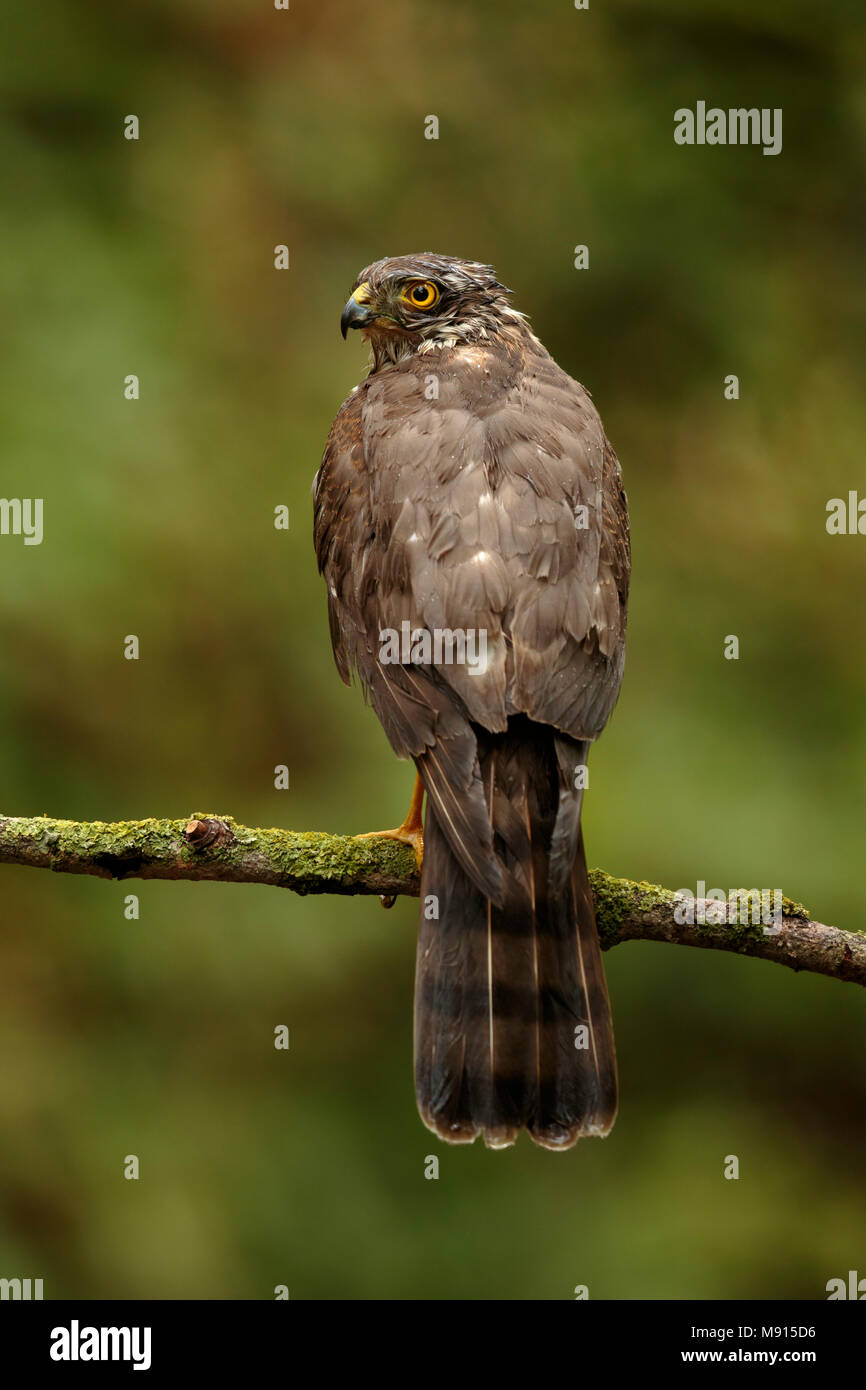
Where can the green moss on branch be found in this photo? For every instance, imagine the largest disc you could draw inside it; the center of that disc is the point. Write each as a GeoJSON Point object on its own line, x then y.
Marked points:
{"type": "Point", "coordinates": [216, 848]}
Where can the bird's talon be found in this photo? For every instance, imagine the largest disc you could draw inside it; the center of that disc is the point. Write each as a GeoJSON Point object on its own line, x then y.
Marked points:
{"type": "Point", "coordinates": [406, 837]}
{"type": "Point", "coordinates": [410, 832]}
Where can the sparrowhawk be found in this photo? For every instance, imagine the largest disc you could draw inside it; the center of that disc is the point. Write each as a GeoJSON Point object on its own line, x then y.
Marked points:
{"type": "Point", "coordinates": [467, 487]}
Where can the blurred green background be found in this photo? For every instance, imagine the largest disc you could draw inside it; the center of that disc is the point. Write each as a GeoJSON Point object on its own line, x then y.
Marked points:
{"type": "Point", "coordinates": [154, 1037]}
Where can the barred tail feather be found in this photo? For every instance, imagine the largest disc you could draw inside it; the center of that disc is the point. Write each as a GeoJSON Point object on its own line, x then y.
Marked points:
{"type": "Point", "coordinates": [512, 1020]}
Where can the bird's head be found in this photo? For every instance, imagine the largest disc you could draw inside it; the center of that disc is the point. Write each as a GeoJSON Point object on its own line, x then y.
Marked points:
{"type": "Point", "coordinates": [406, 304]}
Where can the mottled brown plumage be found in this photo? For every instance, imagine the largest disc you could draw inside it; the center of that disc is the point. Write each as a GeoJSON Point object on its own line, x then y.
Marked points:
{"type": "Point", "coordinates": [467, 483]}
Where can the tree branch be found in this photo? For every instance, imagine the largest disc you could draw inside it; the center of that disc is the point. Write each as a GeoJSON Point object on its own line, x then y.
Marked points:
{"type": "Point", "coordinates": [217, 849]}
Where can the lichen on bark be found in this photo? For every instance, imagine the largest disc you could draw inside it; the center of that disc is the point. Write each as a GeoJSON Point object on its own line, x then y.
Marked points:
{"type": "Point", "coordinates": [214, 846]}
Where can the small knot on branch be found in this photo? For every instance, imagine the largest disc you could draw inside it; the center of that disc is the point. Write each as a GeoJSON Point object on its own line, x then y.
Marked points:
{"type": "Point", "coordinates": [202, 834]}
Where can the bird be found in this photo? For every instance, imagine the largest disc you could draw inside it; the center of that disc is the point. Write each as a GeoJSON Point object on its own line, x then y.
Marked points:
{"type": "Point", "coordinates": [467, 487]}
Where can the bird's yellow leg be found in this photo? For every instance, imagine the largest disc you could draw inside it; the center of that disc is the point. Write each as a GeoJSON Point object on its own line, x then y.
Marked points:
{"type": "Point", "coordinates": [411, 832]}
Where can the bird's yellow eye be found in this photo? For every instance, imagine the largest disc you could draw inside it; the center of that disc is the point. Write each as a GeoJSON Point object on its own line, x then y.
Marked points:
{"type": "Point", "coordinates": [422, 294]}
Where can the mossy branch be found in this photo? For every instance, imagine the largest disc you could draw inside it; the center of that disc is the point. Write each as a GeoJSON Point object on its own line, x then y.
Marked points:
{"type": "Point", "coordinates": [218, 849]}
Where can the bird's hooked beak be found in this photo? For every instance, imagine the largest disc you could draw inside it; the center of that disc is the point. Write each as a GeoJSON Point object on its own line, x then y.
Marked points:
{"type": "Point", "coordinates": [359, 311]}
